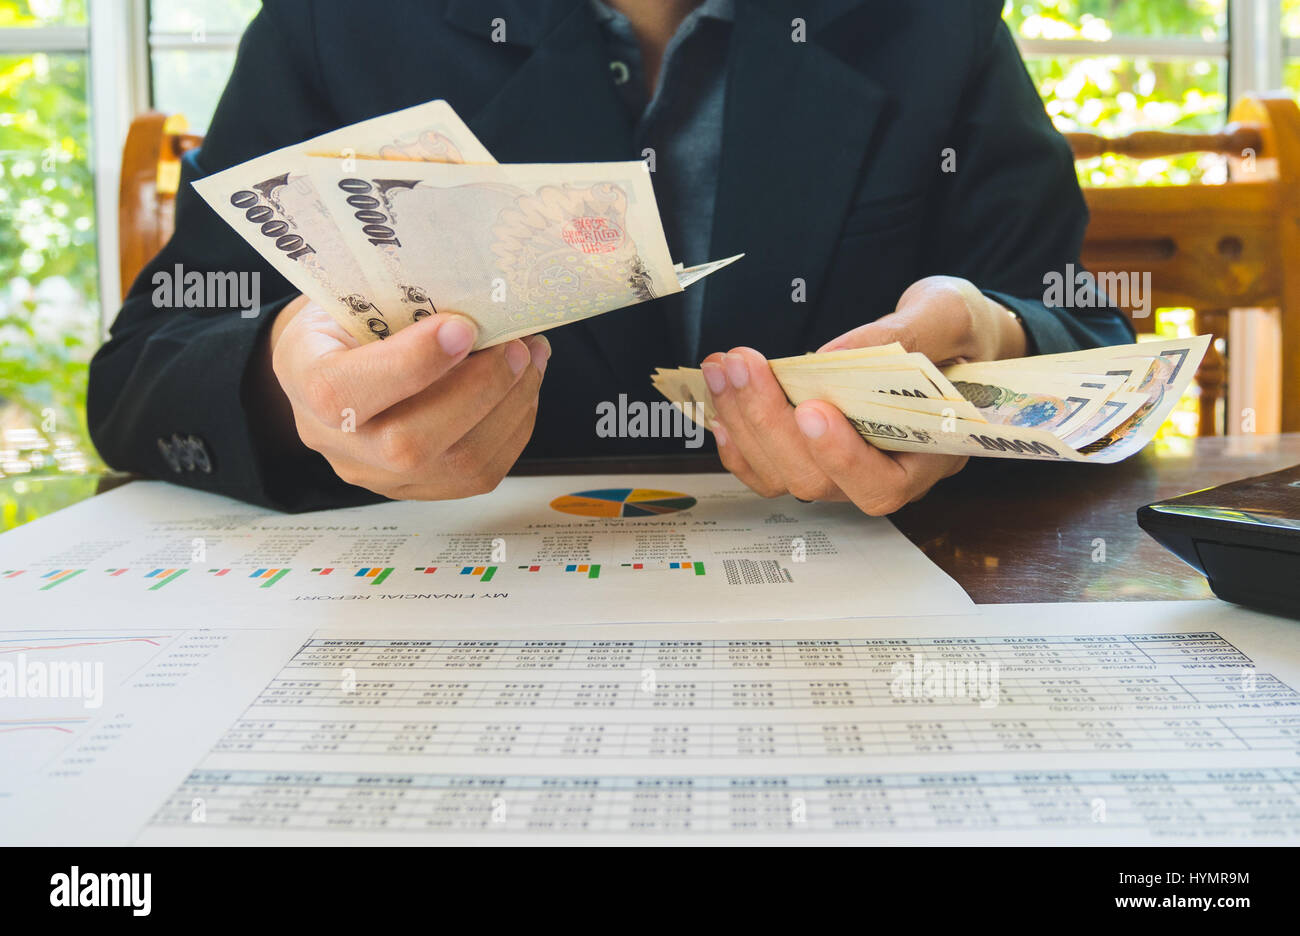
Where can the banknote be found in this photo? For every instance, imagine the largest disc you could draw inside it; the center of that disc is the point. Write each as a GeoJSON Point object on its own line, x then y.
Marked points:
{"type": "Point", "coordinates": [518, 248]}
{"type": "Point", "coordinates": [886, 388]}
{"type": "Point", "coordinates": [1061, 403]}
{"type": "Point", "coordinates": [685, 385]}
{"type": "Point", "coordinates": [693, 274]}
{"type": "Point", "coordinates": [1100, 405]}
{"type": "Point", "coordinates": [276, 207]}
{"type": "Point", "coordinates": [911, 374]}
{"type": "Point", "coordinates": [1160, 370]}
{"type": "Point", "coordinates": [360, 221]}
{"type": "Point", "coordinates": [1114, 412]}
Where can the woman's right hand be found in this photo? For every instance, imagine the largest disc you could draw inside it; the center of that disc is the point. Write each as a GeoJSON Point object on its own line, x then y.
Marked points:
{"type": "Point", "coordinates": [415, 416]}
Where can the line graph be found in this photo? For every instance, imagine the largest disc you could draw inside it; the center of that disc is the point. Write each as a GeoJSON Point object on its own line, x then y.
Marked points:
{"type": "Point", "coordinates": [27, 645]}
{"type": "Point", "coordinates": [59, 725]}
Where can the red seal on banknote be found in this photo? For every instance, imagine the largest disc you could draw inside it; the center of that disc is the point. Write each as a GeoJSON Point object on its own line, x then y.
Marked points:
{"type": "Point", "coordinates": [592, 235]}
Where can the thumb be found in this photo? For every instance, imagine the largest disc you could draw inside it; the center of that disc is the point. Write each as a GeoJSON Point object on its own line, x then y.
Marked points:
{"type": "Point", "coordinates": [371, 378]}
{"type": "Point", "coordinates": [934, 316]}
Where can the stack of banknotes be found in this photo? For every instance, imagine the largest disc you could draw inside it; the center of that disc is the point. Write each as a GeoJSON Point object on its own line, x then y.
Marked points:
{"type": "Point", "coordinates": [1099, 405]}
{"type": "Point", "coordinates": [392, 219]}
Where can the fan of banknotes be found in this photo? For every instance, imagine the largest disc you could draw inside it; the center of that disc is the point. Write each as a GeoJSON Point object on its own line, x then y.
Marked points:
{"type": "Point", "coordinates": [392, 219]}
{"type": "Point", "coordinates": [1099, 405]}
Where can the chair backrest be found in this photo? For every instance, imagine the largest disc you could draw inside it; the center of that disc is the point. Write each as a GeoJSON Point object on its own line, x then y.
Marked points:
{"type": "Point", "coordinates": [151, 174]}
{"type": "Point", "coordinates": [1211, 247]}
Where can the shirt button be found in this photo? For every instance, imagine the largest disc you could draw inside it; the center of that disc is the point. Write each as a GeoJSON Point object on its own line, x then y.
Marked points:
{"type": "Point", "coordinates": [183, 453]}
{"type": "Point", "coordinates": [202, 460]}
{"type": "Point", "coordinates": [621, 72]}
{"type": "Point", "coordinates": [169, 455]}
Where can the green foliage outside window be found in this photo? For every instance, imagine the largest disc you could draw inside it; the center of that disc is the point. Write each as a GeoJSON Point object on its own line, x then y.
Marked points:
{"type": "Point", "coordinates": [1111, 95]}
{"type": "Point", "coordinates": [1291, 28]}
{"type": "Point", "coordinates": [48, 271]}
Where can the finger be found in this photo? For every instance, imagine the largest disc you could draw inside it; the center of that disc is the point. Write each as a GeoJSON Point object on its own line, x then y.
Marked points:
{"type": "Point", "coordinates": [458, 472]}
{"type": "Point", "coordinates": [928, 470]}
{"type": "Point", "coordinates": [368, 379]}
{"type": "Point", "coordinates": [724, 376]}
{"type": "Point", "coordinates": [734, 461]}
{"type": "Point", "coordinates": [417, 430]}
{"type": "Point", "coordinates": [483, 443]}
{"type": "Point", "coordinates": [876, 482]}
{"type": "Point", "coordinates": [504, 434]}
{"type": "Point", "coordinates": [769, 419]}
{"type": "Point", "coordinates": [359, 474]}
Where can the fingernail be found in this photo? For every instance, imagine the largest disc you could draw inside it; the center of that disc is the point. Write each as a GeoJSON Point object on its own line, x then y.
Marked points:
{"type": "Point", "coordinates": [517, 356]}
{"type": "Point", "coordinates": [714, 377]}
{"type": "Point", "coordinates": [737, 371]}
{"type": "Point", "coordinates": [540, 349]}
{"type": "Point", "coordinates": [811, 423]}
{"type": "Point", "coordinates": [455, 335]}
{"type": "Point", "coordinates": [719, 433]}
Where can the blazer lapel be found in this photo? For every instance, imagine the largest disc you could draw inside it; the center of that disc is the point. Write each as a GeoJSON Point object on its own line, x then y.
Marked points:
{"type": "Point", "coordinates": [560, 105]}
{"type": "Point", "coordinates": [797, 126]}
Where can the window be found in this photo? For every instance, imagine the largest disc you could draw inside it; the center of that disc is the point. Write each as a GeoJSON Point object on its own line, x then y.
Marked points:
{"type": "Point", "coordinates": [192, 49]}
{"type": "Point", "coordinates": [1291, 43]}
{"type": "Point", "coordinates": [49, 290]}
{"type": "Point", "coordinates": [1114, 67]}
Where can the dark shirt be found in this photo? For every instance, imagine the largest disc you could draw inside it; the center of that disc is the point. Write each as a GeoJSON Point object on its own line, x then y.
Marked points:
{"type": "Point", "coordinates": [681, 126]}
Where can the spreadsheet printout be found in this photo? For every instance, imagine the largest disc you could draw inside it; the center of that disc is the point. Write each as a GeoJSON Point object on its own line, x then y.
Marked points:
{"type": "Point", "coordinates": [550, 550]}
{"type": "Point", "coordinates": [1161, 722]}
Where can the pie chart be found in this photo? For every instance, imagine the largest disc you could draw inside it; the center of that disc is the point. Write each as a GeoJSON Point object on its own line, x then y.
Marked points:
{"type": "Point", "coordinates": [623, 502]}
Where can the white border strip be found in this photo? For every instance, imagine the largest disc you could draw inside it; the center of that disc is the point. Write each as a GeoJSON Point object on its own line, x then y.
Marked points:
{"type": "Point", "coordinates": [19, 39]}
{"type": "Point", "coordinates": [1127, 47]}
{"type": "Point", "coordinates": [119, 89]}
{"type": "Point", "coordinates": [198, 42]}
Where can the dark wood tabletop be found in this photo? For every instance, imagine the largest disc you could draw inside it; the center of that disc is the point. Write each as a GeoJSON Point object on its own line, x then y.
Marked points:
{"type": "Point", "coordinates": [1014, 531]}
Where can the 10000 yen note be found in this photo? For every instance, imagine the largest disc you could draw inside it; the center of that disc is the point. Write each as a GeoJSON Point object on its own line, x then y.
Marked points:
{"type": "Point", "coordinates": [1159, 370]}
{"type": "Point", "coordinates": [1133, 389]}
{"type": "Point", "coordinates": [273, 204]}
{"type": "Point", "coordinates": [892, 428]}
{"type": "Point", "coordinates": [685, 388]}
{"type": "Point", "coordinates": [839, 363]}
{"type": "Point", "coordinates": [693, 274]}
{"type": "Point", "coordinates": [887, 388]}
{"type": "Point", "coordinates": [516, 248]}
{"type": "Point", "coordinates": [1061, 403]}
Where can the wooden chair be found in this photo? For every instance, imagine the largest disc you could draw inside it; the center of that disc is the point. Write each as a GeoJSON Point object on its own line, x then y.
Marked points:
{"type": "Point", "coordinates": [1212, 248]}
{"type": "Point", "coordinates": [146, 199]}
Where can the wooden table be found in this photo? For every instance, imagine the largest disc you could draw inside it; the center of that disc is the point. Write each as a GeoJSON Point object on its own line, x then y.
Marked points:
{"type": "Point", "coordinates": [1012, 531]}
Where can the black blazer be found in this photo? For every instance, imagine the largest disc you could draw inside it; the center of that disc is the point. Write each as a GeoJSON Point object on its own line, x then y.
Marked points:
{"type": "Point", "coordinates": [831, 173]}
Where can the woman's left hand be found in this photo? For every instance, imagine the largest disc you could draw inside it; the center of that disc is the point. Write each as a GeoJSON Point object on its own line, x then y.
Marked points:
{"type": "Point", "coordinates": [812, 451]}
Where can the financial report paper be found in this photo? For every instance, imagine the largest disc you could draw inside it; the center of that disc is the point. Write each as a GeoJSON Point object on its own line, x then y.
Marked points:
{"type": "Point", "coordinates": [551, 550]}
{"type": "Point", "coordinates": [1155, 722]}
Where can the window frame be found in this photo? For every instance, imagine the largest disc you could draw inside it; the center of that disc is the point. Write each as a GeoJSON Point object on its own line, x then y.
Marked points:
{"type": "Point", "coordinates": [117, 90]}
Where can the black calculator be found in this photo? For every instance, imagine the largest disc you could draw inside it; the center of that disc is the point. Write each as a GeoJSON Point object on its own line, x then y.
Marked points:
{"type": "Point", "coordinates": [1244, 537]}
